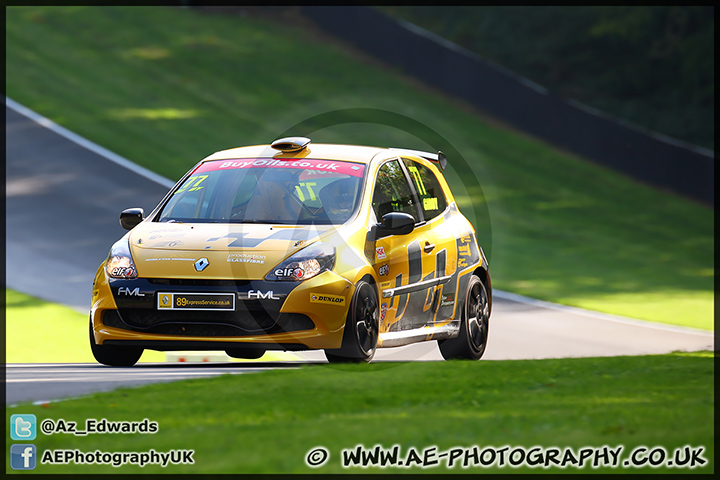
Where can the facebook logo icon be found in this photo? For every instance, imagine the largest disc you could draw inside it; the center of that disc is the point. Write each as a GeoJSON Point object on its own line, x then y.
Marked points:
{"type": "Point", "coordinates": [23, 427]}
{"type": "Point", "coordinates": [22, 457]}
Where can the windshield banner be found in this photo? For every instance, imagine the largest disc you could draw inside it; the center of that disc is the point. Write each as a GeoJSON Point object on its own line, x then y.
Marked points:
{"type": "Point", "coordinates": [345, 168]}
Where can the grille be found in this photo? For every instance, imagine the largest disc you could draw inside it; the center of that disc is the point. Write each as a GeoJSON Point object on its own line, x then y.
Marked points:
{"type": "Point", "coordinates": [198, 330]}
{"type": "Point", "coordinates": [287, 322]}
{"type": "Point", "coordinates": [250, 320]}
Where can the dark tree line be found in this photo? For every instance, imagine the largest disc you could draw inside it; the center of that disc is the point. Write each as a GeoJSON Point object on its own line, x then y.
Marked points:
{"type": "Point", "coordinates": [651, 65]}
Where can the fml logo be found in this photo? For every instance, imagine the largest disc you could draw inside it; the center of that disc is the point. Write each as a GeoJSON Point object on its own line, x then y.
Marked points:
{"type": "Point", "coordinates": [135, 292]}
{"type": "Point", "coordinates": [258, 295]}
{"type": "Point", "coordinates": [22, 457]}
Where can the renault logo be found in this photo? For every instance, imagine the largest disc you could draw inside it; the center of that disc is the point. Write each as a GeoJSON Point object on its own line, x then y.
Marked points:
{"type": "Point", "coordinates": [201, 264]}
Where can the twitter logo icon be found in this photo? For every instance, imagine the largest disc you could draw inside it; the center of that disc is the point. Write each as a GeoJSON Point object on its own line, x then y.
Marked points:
{"type": "Point", "coordinates": [23, 427]}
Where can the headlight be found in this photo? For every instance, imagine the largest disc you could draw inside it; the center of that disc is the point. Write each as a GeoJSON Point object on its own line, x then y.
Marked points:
{"type": "Point", "coordinates": [120, 263]}
{"type": "Point", "coordinates": [304, 264]}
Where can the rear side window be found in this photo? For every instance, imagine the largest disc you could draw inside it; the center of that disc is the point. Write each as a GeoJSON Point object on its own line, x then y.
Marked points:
{"type": "Point", "coordinates": [432, 197]}
{"type": "Point", "coordinates": [392, 192]}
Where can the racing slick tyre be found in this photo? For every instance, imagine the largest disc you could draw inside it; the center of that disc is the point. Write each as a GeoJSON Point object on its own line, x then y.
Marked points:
{"type": "Point", "coordinates": [361, 328]}
{"type": "Point", "coordinates": [113, 355]}
{"type": "Point", "coordinates": [475, 319]}
{"type": "Point", "coordinates": [248, 353]}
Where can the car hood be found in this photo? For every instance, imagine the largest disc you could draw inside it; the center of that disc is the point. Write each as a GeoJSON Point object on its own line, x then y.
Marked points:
{"type": "Point", "coordinates": [237, 251]}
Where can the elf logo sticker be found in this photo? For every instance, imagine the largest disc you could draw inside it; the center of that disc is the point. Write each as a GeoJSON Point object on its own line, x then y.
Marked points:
{"type": "Point", "coordinates": [380, 251]}
{"type": "Point", "coordinates": [289, 272]}
{"type": "Point", "coordinates": [329, 299]}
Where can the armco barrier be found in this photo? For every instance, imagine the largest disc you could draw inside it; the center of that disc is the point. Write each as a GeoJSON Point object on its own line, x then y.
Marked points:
{"type": "Point", "coordinates": [646, 156]}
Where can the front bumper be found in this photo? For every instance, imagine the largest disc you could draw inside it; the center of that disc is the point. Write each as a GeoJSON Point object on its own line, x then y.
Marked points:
{"type": "Point", "coordinates": [268, 315]}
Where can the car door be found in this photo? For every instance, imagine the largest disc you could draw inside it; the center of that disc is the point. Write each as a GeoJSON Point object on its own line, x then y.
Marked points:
{"type": "Point", "coordinates": [397, 258]}
{"type": "Point", "coordinates": [436, 240]}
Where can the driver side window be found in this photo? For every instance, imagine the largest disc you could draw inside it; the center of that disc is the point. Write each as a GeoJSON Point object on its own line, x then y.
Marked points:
{"type": "Point", "coordinates": [392, 193]}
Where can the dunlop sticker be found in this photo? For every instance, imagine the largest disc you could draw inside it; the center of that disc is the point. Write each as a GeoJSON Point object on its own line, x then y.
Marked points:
{"type": "Point", "coordinates": [329, 299]}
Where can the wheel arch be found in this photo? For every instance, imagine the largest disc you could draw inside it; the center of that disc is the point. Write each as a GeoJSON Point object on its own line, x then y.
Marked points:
{"type": "Point", "coordinates": [368, 278]}
{"type": "Point", "coordinates": [484, 275]}
{"type": "Point", "coordinates": [367, 275]}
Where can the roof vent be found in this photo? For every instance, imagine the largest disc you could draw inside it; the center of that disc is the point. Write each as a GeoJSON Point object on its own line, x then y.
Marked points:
{"type": "Point", "coordinates": [290, 144]}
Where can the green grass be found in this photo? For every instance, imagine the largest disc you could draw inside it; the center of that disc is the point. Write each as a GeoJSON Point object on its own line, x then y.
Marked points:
{"type": "Point", "coordinates": [267, 422]}
{"type": "Point", "coordinates": [165, 87]}
{"type": "Point", "coordinates": [42, 332]}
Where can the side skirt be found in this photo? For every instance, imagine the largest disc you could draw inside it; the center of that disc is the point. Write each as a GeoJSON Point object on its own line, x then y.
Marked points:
{"type": "Point", "coordinates": [405, 337]}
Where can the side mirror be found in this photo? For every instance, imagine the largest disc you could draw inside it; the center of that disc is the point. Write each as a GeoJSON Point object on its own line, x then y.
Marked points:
{"type": "Point", "coordinates": [393, 223]}
{"type": "Point", "coordinates": [131, 217]}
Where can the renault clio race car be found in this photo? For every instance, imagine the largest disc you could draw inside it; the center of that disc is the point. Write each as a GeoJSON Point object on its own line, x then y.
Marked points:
{"type": "Point", "coordinates": [295, 246]}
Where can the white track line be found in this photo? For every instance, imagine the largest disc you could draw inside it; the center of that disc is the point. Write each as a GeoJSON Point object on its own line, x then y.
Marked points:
{"type": "Point", "coordinates": [121, 377]}
{"type": "Point", "coordinates": [599, 315]}
{"type": "Point", "coordinates": [45, 122]}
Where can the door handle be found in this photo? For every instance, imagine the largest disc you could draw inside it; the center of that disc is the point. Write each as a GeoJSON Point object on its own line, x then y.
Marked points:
{"type": "Point", "coordinates": [428, 247]}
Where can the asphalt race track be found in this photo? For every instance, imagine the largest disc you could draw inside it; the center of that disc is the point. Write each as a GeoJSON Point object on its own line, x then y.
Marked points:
{"type": "Point", "coordinates": [32, 382]}
{"type": "Point", "coordinates": [62, 206]}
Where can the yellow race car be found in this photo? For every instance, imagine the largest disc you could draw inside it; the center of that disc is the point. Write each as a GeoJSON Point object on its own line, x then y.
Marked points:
{"type": "Point", "coordinates": [296, 246]}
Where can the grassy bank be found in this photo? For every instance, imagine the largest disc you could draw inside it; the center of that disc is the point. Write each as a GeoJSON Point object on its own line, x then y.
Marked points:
{"type": "Point", "coordinates": [42, 332]}
{"type": "Point", "coordinates": [164, 87]}
{"type": "Point", "coordinates": [268, 422]}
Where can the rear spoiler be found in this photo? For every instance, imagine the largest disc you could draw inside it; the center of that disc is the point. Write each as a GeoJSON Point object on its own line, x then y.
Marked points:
{"type": "Point", "coordinates": [438, 157]}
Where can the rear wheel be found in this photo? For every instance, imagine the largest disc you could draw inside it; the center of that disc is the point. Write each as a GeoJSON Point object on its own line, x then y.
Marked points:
{"type": "Point", "coordinates": [361, 328]}
{"type": "Point", "coordinates": [114, 355]}
{"type": "Point", "coordinates": [475, 319]}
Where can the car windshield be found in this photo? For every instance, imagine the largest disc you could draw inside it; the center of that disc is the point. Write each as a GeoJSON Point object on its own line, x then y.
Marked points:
{"type": "Point", "coordinates": [278, 191]}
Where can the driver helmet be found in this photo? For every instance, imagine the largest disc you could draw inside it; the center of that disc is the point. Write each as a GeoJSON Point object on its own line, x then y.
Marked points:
{"type": "Point", "coordinates": [338, 198]}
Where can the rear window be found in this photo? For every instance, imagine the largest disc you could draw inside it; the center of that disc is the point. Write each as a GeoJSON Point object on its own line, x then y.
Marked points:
{"type": "Point", "coordinates": [287, 191]}
{"type": "Point", "coordinates": [432, 197]}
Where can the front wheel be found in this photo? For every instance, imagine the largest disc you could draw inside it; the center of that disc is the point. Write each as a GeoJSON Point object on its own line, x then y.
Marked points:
{"type": "Point", "coordinates": [112, 355]}
{"type": "Point", "coordinates": [361, 328]}
{"type": "Point", "coordinates": [475, 320]}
